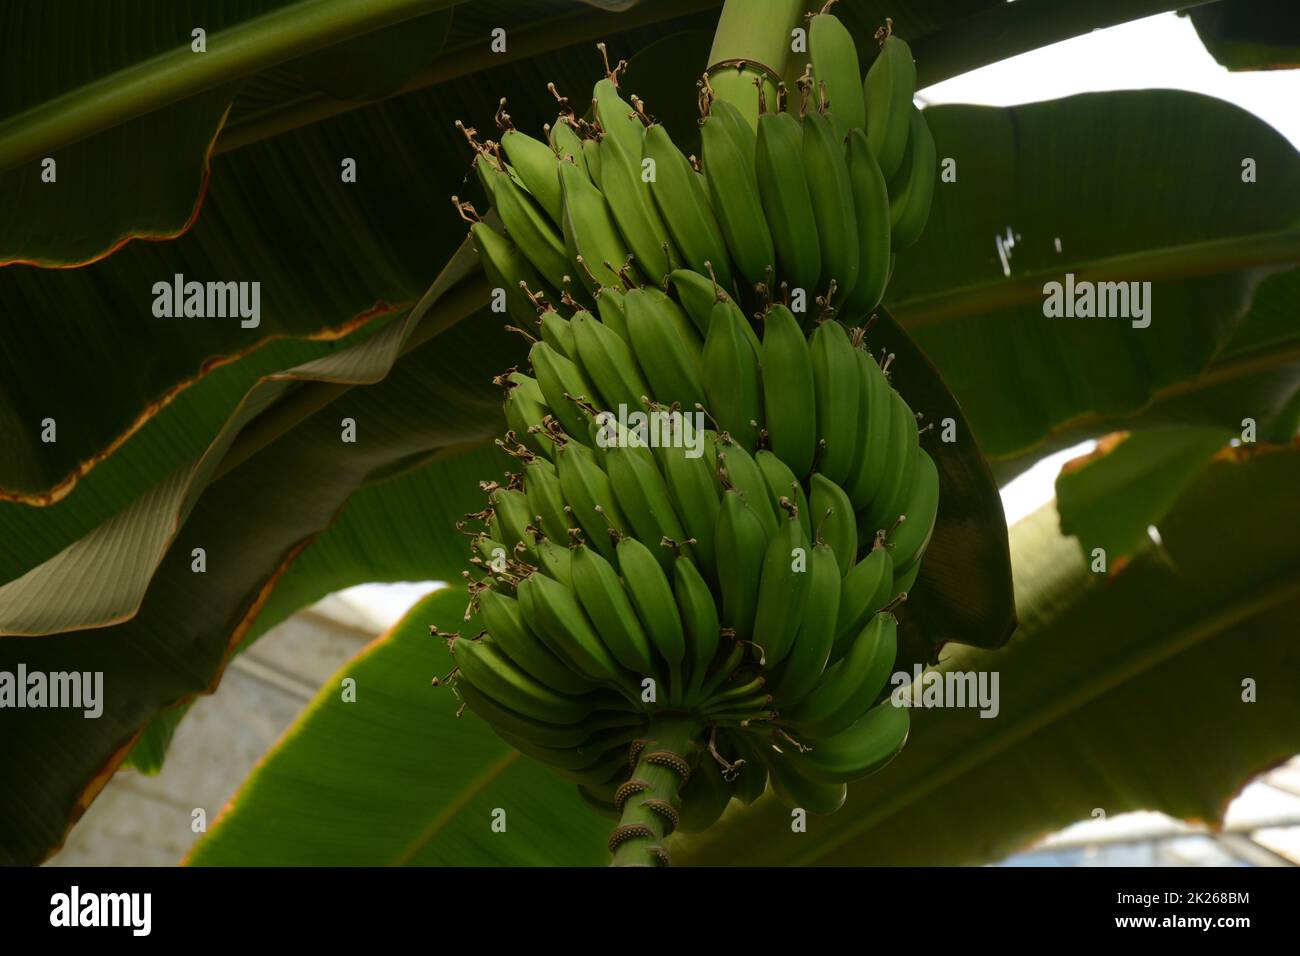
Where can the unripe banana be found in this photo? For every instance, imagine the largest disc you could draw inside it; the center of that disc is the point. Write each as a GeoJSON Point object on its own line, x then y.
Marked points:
{"type": "Point", "coordinates": [534, 164]}
{"type": "Point", "coordinates": [867, 588]}
{"type": "Point", "coordinates": [591, 499]}
{"type": "Point", "coordinates": [525, 409]}
{"type": "Point", "coordinates": [783, 591]}
{"type": "Point", "coordinates": [751, 776]}
{"type": "Point", "coordinates": [591, 156]}
{"type": "Point", "coordinates": [633, 208]}
{"type": "Point", "coordinates": [644, 499]}
{"type": "Point", "coordinates": [861, 749]}
{"type": "Point", "coordinates": [533, 233]}
{"type": "Point", "coordinates": [506, 267]}
{"type": "Point", "coordinates": [740, 471]}
{"type": "Point", "coordinates": [836, 380]}
{"type": "Point", "coordinates": [653, 598]}
{"type": "Point", "coordinates": [848, 688]}
{"type": "Point", "coordinates": [553, 610]}
{"type": "Point", "coordinates": [872, 213]}
{"type": "Point", "coordinates": [782, 482]}
{"type": "Point", "coordinates": [609, 304]}
{"type": "Point", "coordinates": [512, 512]}
{"type": "Point", "coordinates": [555, 561]}
{"type": "Point", "coordinates": [608, 363]}
{"type": "Point", "coordinates": [798, 792]}
{"type": "Point", "coordinates": [699, 622]}
{"type": "Point", "coordinates": [616, 116]}
{"type": "Point", "coordinates": [833, 519]}
{"type": "Point", "coordinates": [535, 731]}
{"type": "Point", "coordinates": [591, 762]}
{"type": "Point", "coordinates": [789, 402]}
{"type": "Point", "coordinates": [891, 497]}
{"type": "Point", "coordinates": [546, 501]}
{"type": "Point", "coordinates": [506, 626]}
{"type": "Point", "coordinates": [482, 665]}
{"type": "Point", "coordinates": [816, 628]}
{"type": "Point", "coordinates": [888, 90]}
{"type": "Point", "coordinates": [874, 451]}
{"type": "Point", "coordinates": [683, 201]}
{"type": "Point", "coordinates": [566, 142]}
{"type": "Point", "coordinates": [912, 535]}
{"type": "Point", "coordinates": [732, 380]}
{"type": "Point", "coordinates": [589, 230]}
{"type": "Point", "coordinates": [905, 581]}
{"type": "Point", "coordinates": [671, 368]}
{"type": "Point", "coordinates": [557, 377]}
{"type": "Point", "coordinates": [557, 333]}
{"type": "Point", "coordinates": [694, 488]}
{"type": "Point", "coordinates": [698, 295]}
{"type": "Point", "coordinates": [913, 190]}
{"type": "Point", "coordinates": [740, 545]}
{"type": "Point", "coordinates": [598, 588]}
{"type": "Point", "coordinates": [835, 64]}
{"type": "Point", "coordinates": [786, 200]}
{"type": "Point", "coordinates": [733, 189]}
{"type": "Point", "coordinates": [831, 192]}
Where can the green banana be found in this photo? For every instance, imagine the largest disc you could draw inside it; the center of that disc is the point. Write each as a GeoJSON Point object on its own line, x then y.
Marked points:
{"type": "Point", "coordinates": [905, 581]}
{"type": "Point", "coordinates": [798, 792]}
{"type": "Point", "coordinates": [598, 588]}
{"type": "Point", "coordinates": [699, 622]}
{"type": "Point", "coordinates": [867, 588]}
{"type": "Point", "coordinates": [683, 202]}
{"type": "Point", "coordinates": [653, 598]}
{"type": "Point", "coordinates": [671, 368]}
{"type": "Point", "coordinates": [565, 142]}
{"type": "Point", "coordinates": [782, 482]}
{"type": "Point", "coordinates": [556, 561]}
{"type": "Point", "coordinates": [533, 233]}
{"type": "Point", "coordinates": [534, 164]}
{"type": "Point", "coordinates": [589, 230]}
{"type": "Point", "coordinates": [546, 501]}
{"type": "Point", "coordinates": [535, 731]}
{"type": "Point", "coordinates": [789, 402]}
{"type": "Point", "coordinates": [609, 304]}
{"type": "Point", "coordinates": [553, 610]}
{"type": "Point", "coordinates": [831, 192]}
{"type": "Point", "coordinates": [786, 199]}
{"type": "Point", "coordinates": [816, 628]}
{"type": "Point", "coordinates": [694, 489]}
{"type": "Point", "coordinates": [525, 408]}
{"type": "Point", "coordinates": [644, 499]}
{"type": "Point", "coordinates": [733, 189]}
{"type": "Point", "coordinates": [732, 380]}
{"type": "Point", "coordinates": [833, 519]}
{"type": "Point", "coordinates": [872, 214]}
{"type": "Point", "coordinates": [608, 363]}
{"type": "Point", "coordinates": [506, 267]}
{"type": "Point", "coordinates": [913, 190]}
{"type": "Point", "coordinates": [850, 686]}
{"type": "Point", "coordinates": [634, 210]}
{"type": "Point", "coordinates": [912, 536]}
{"type": "Point", "coordinates": [835, 64]}
{"type": "Point", "coordinates": [511, 509]}
{"type": "Point", "coordinates": [836, 379]}
{"type": "Point", "coordinates": [751, 776]}
{"type": "Point", "coordinates": [740, 545]}
{"type": "Point", "coordinates": [482, 664]}
{"type": "Point", "coordinates": [616, 115]}
{"type": "Point", "coordinates": [704, 798]}
{"type": "Point", "coordinates": [860, 749]}
{"type": "Point", "coordinates": [591, 499]}
{"type": "Point", "coordinates": [874, 451]}
{"type": "Point", "coordinates": [888, 89]}
{"type": "Point", "coordinates": [591, 157]}
{"type": "Point", "coordinates": [557, 333]}
{"type": "Point", "coordinates": [782, 592]}
{"type": "Point", "coordinates": [743, 473]}
{"type": "Point", "coordinates": [557, 377]}
{"type": "Point", "coordinates": [891, 497]}
{"type": "Point", "coordinates": [512, 635]}
{"type": "Point", "coordinates": [698, 295]}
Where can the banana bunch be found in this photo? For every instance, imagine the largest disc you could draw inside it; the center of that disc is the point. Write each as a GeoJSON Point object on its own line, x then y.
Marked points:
{"type": "Point", "coordinates": [684, 591]}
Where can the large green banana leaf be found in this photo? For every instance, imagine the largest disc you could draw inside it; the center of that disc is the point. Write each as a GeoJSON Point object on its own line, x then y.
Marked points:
{"type": "Point", "coordinates": [1121, 692]}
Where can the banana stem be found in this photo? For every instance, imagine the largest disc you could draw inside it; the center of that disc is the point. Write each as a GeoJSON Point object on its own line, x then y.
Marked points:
{"type": "Point", "coordinates": [755, 31]}
{"type": "Point", "coordinates": [650, 802]}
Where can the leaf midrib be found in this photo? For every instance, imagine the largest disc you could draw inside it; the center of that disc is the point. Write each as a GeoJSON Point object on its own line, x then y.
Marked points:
{"type": "Point", "coordinates": [450, 812]}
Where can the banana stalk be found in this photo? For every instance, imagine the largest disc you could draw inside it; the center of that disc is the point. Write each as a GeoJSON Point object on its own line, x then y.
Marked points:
{"type": "Point", "coordinates": [649, 801]}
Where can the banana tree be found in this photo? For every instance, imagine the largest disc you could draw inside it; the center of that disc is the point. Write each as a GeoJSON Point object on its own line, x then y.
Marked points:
{"type": "Point", "coordinates": [264, 361]}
